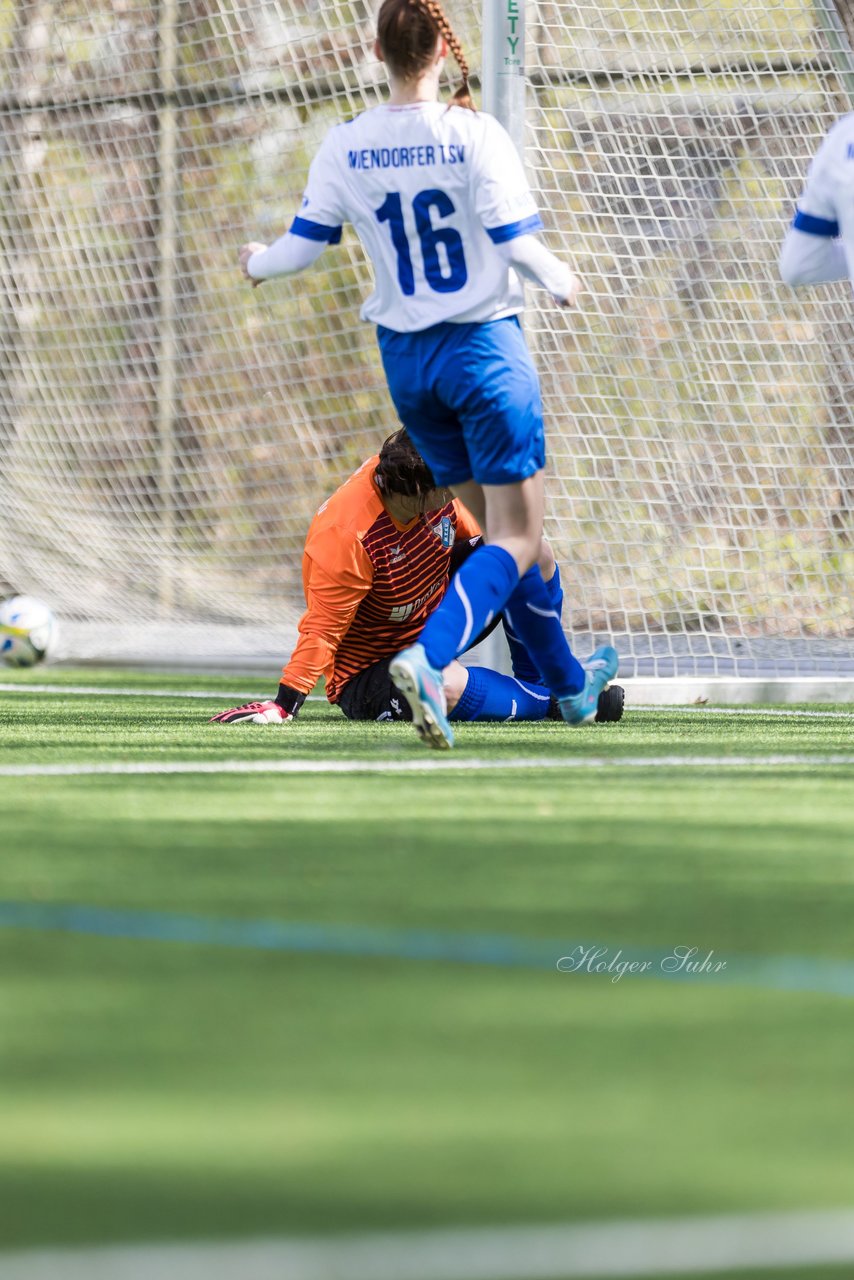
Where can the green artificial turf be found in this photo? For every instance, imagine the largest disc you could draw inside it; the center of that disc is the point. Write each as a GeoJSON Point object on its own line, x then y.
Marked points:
{"type": "Point", "coordinates": [52, 728]}
{"type": "Point", "coordinates": [167, 1089]}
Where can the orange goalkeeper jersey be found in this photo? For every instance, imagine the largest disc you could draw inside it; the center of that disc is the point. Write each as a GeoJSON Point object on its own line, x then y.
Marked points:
{"type": "Point", "coordinates": [370, 582]}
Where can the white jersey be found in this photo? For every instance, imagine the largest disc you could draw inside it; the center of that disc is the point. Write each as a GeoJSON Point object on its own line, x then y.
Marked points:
{"type": "Point", "coordinates": [430, 191]}
{"type": "Point", "coordinates": [826, 210]}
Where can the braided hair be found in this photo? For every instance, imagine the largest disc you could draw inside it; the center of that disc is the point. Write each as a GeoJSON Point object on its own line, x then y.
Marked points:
{"type": "Point", "coordinates": [408, 30]}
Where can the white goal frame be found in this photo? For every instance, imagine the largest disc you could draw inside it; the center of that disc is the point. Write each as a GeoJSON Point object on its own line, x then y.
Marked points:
{"type": "Point", "coordinates": [166, 433]}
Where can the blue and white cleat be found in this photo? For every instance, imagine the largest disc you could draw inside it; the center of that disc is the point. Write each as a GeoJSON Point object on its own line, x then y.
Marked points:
{"type": "Point", "coordinates": [421, 686]}
{"type": "Point", "coordinates": [599, 670]}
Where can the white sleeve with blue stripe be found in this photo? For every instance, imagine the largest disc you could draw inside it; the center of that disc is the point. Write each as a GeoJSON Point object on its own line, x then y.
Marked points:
{"type": "Point", "coordinates": [816, 210]}
{"type": "Point", "coordinates": [503, 199]}
{"type": "Point", "coordinates": [316, 225]}
{"type": "Point", "coordinates": [321, 214]}
{"type": "Point", "coordinates": [812, 253]}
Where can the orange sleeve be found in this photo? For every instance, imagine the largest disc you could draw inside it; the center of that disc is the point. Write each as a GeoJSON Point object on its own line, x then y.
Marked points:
{"type": "Point", "coordinates": [337, 575]}
{"type": "Point", "coordinates": [467, 526]}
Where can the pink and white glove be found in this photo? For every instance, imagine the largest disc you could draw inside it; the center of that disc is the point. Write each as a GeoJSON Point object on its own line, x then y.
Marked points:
{"type": "Point", "coordinates": [254, 713]}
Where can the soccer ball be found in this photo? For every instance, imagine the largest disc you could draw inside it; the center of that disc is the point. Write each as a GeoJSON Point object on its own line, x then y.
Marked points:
{"type": "Point", "coordinates": [27, 630]}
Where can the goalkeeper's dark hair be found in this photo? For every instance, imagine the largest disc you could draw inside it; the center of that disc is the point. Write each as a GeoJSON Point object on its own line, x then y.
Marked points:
{"type": "Point", "coordinates": [401, 469]}
{"type": "Point", "coordinates": [408, 30]}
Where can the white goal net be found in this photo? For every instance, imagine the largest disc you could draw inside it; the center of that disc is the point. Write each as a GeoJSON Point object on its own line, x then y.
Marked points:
{"type": "Point", "coordinates": [166, 432]}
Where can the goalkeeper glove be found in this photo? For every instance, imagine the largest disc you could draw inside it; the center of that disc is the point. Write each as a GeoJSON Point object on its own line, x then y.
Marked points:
{"type": "Point", "coordinates": [282, 711]}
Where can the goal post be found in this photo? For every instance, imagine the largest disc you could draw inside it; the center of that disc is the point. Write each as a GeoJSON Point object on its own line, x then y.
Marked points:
{"type": "Point", "coordinates": [503, 90]}
{"type": "Point", "coordinates": [503, 76]}
{"type": "Point", "coordinates": [166, 433]}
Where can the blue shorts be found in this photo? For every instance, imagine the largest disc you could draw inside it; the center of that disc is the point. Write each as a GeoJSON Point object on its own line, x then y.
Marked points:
{"type": "Point", "coordinates": [469, 396]}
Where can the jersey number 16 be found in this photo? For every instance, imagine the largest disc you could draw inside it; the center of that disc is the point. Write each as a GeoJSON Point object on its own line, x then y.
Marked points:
{"type": "Point", "coordinates": [430, 237]}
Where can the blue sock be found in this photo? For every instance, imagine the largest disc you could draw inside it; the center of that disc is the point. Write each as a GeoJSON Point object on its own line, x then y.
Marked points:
{"type": "Point", "coordinates": [478, 591]}
{"type": "Point", "coordinates": [534, 619]}
{"type": "Point", "coordinates": [524, 667]}
{"type": "Point", "coordinates": [491, 696]}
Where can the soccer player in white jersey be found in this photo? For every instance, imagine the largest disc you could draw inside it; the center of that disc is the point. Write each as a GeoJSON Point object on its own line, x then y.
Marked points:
{"type": "Point", "coordinates": [819, 246]}
{"type": "Point", "coordinates": [438, 196]}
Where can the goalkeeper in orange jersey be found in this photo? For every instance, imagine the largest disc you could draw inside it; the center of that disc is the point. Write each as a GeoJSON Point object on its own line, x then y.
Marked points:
{"type": "Point", "coordinates": [378, 559]}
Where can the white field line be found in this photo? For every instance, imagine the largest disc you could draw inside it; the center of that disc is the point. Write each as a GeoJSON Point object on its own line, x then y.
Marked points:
{"type": "Point", "coordinates": [619, 1250]}
{"type": "Point", "coordinates": [87, 691]}
{"type": "Point", "coordinates": [83, 690]}
{"type": "Point", "coordinates": [757, 710]}
{"type": "Point", "coordinates": [424, 764]}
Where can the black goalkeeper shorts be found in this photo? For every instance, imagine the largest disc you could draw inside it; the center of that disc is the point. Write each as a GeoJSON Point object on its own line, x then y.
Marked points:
{"type": "Point", "coordinates": [371, 696]}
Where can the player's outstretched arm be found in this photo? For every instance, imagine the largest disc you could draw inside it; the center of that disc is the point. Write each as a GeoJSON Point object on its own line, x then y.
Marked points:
{"type": "Point", "coordinates": [335, 584]}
